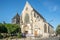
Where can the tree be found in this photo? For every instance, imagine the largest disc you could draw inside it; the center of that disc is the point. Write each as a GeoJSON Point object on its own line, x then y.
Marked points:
{"type": "Point", "coordinates": [8, 29]}
{"type": "Point", "coordinates": [58, 29]}
{"type": "Point", "coordinates": [12, 28]}
{"type": "Point", "coordinates": [3, 29]}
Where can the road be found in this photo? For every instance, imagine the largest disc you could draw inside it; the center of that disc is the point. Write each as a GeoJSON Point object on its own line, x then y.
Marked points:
{"type": "Point", "coordinates": [50, 38]}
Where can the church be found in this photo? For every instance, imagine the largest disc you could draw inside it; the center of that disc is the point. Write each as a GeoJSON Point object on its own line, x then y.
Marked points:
{"type": "Point", "coordinates": [32, 22]}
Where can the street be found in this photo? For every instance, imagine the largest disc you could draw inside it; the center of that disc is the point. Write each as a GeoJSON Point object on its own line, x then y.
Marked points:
{"type": "Point", "coordinates": [50, 38]}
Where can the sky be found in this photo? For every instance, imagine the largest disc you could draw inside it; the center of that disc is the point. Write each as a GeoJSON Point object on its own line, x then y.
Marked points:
{"type": "Point", "coordinates": [49, 9]}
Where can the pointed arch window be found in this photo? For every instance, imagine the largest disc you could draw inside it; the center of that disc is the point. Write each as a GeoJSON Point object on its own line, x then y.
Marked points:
{"type": "Point", "coordinates": [48, 29]}
{"type": "Point", "coordinates": [45, 28]}
{"type": "Point", "coordinates": [26, 18]}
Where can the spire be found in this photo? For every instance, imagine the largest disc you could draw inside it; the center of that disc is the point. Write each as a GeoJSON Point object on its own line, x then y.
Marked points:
{"type": "Point", "coordinates": [17, 15]}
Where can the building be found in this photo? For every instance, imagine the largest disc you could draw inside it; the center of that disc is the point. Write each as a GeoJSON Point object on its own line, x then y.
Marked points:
{"type": "Point", "coordinates": [32, 22]}
{"type": "Point", "coordinates": [16, 19]}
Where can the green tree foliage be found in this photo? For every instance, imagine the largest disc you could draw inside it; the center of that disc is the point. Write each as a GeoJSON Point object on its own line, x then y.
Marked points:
{"type": "Point", "coordinates": [19, 35]}
{"type": "Point", "coordinates": [3, 29]}
{"type": "Point", "coordinates": [58, 29]}
{"type": "Point", "coordinates": [12, 28]}
{"type": "Point", "coordinates": [9, 28]}
{"type": "Point", "coordinates": [1, 36]}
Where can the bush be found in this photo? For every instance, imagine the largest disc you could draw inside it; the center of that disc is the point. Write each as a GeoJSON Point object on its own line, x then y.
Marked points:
{"type": "Point", "coordinates": [58, 30]}
{"type": "Point", "coordinates": [1, 36]}
{"type": "Point", "coordinates": [19, 35]}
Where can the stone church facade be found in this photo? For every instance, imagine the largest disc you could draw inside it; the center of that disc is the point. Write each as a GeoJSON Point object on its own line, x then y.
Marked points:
{"type": "Point", "coordinates": [31, 22]}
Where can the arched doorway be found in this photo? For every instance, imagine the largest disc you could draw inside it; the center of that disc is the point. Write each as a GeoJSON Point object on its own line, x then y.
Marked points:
{"type": "Point", "coordinates": [25, 28]}
{"type": "Point", "coordinates": [35, 32]}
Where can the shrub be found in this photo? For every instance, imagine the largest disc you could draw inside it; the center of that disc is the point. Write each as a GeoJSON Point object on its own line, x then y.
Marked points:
{"type": "Point", "coordinates": [1, 36]}
{"type": "Point", "coordinates": [19, 35]}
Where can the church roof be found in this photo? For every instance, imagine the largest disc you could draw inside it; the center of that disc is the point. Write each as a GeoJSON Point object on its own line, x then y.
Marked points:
{"type": "Point", "coordinates": [16, 16]}
{"type": "Point", "coordinates": [50, 25]}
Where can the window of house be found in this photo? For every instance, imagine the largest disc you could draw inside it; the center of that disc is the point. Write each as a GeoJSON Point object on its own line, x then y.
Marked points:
{"type": "Point", "coordinates": [45, 28]}
{"type": "Point", "coordinates": [34, 14]}
{"type": "Point", "coordinates": [36, 27]}
{"type": "Point", "coordinates": [39, 19]}
{"type": "Point", "coordinates": [48, 29]}
{"type": "Point", "coordinates": [26, 18]}
{"type": "Point", "coordinates": [37, 16]}
{"type": "Point", "coordinates": [17, 21]}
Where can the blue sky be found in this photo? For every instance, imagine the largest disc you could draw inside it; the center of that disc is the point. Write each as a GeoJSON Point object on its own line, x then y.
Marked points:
{"type": "Point", "coordinates": [49, 9]}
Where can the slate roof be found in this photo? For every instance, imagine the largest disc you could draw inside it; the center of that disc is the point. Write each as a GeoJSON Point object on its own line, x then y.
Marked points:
{"type": "Point", "coordinates": [16, 16]}
{"type": "Point", "coordinates": [50, 25]}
